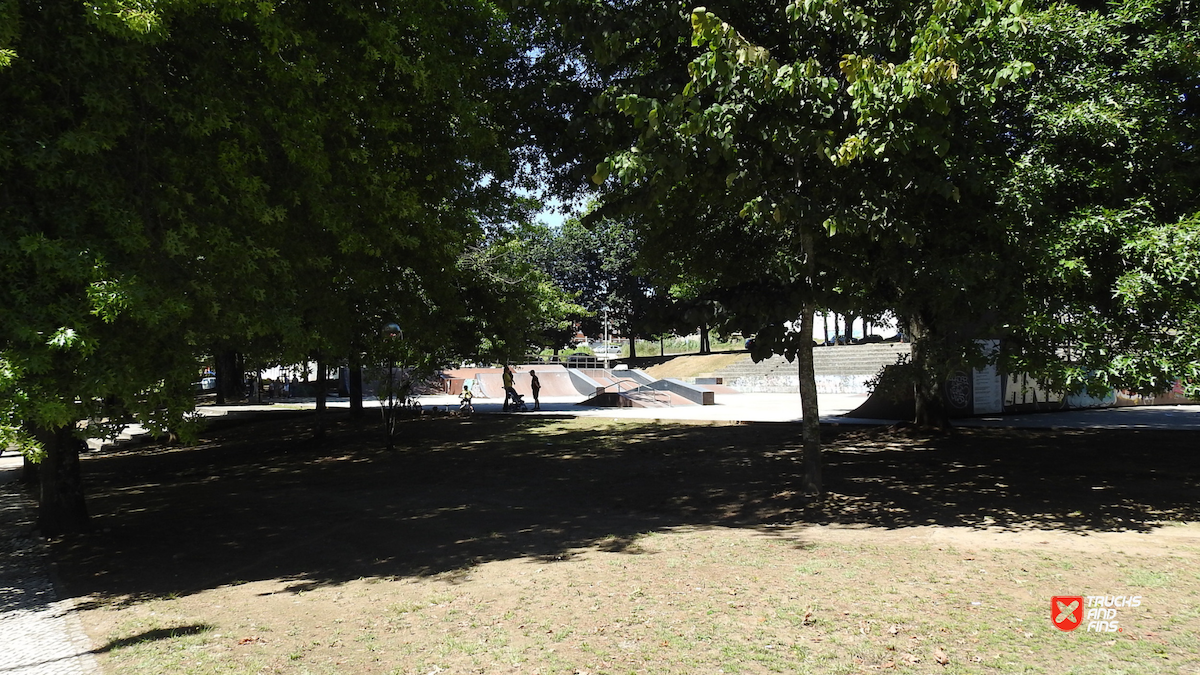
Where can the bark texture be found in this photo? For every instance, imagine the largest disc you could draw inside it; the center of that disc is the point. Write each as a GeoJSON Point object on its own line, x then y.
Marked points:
{"type": "Point", "coordinates": [319, 412]}
{"type": "Point", "coordinates": [356, 387]}
{"type": "Point", "coordinates": [811, 421]}
{"type": "Point", "coordinates": [62, 508]}
{"type": "Point", "coordinates": [811, 425]}
{"type": "Point", "coordinates": [29, 474]}
{"type": "Point", "coordinates": [320, 393]}
{"type": "Point", "coordinates": [930, 410]}
{"type": "Point", "coordinates": [231, 376]}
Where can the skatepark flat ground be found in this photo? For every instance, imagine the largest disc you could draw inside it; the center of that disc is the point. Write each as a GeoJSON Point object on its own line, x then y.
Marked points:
{"type": "Point", "coordinates": [786, 408]}
{"type": "Point", "coordinates": [748, 408]}
{"type": "Point", "coordinates": [728, 408]}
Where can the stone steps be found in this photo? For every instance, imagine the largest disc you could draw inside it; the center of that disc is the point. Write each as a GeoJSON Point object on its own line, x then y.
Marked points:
{"type": "Point", "coordinates": [840, 369]}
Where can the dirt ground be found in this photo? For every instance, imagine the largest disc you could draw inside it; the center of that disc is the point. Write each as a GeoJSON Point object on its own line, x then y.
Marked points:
{"type": "Point", "coordinates": [504, 544]}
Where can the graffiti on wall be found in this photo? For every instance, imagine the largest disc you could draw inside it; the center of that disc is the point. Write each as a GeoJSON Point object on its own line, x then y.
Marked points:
{"type": "Point", "coordinates": [1022, 392]}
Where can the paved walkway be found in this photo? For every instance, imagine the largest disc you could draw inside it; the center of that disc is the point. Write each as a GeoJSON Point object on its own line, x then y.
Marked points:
{"type": "Point", "coordinates": [39, 632]}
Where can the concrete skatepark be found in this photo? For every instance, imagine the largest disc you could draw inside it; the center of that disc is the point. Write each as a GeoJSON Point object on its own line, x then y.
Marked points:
{"type": "Point", "coordinates": [720, 387]}
{"type": "Point", "coordinates": [599, 387]}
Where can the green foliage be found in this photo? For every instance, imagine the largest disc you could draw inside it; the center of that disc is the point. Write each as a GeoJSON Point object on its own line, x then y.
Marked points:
{"type": "Point", "coordinates": [980, 168]}
{"type": "Point", "coordinates": [601, 264]}
{"type": "Point", "coordinates": [184, 178]}
{"type": "Point", "coordinates": [864, 130]}
{"type": "Point", "coordinates": [510, 302]}
{"type": "Point", "coordinates": [1106, 173]}
{"type": "Point", "coordinates": [583, 47]}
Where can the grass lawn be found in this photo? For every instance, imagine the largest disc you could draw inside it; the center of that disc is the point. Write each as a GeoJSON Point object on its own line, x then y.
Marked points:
{"type": "Point", "coordinates": [542, 545]}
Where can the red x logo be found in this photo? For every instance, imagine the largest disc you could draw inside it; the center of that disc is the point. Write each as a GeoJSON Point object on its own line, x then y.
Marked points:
{"type": "Point", "coordinates": [1066, 611]}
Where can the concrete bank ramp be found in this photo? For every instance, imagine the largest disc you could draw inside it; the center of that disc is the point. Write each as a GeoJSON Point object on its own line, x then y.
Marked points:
{"type": "Point", "coordinates": [638, 398]}
{"type": "Point", "coordinates": [657, 393]}
{"type": "Point", "coordinates": [602, 388]}
{"type": "Point", "coordinates": [554, 378]}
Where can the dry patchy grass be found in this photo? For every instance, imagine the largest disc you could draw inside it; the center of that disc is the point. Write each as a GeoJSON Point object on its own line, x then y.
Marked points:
{"type": "Point", "coordinates": [587, 546]}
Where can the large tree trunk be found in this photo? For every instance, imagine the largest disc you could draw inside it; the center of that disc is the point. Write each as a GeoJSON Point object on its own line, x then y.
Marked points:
{"type": "Point", "coordinates": [29, 473]}
{"type": "Point", "coordinates": [356, 387]}
{"type": "Point", "coordinates": [230, 376]}
{"type": "Point", "coordinates": [704, 346]}
{"type": "Point", "coordinates": [811, 425]}
{"type": "Point", "coordinates": [930, 411]}
{"type": "Point", "coordinates": [320, 358]}
{"type": "Point", "coordinates": [633, 346]}
{"type": "Point", "coordinates": [850, 319]}
{"type": "Point", "coordinates": [61, 509]}
{"type": "Point", "coordinates": [809, 409]}
{"type": "Point", "coordinates": [319, 413]}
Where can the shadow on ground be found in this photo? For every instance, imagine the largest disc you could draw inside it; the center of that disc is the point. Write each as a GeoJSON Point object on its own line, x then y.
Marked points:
{"type": "Point", "coordinates": [153, 636]}
{"type": "Point", "coordinates": [264, 501]}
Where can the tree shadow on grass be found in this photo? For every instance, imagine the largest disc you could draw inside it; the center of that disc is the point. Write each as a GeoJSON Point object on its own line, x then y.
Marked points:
{"type": "Point", "coordinates": [154, 636]}
{"type": "Point", "coordinates": [262, 501]}
{"type": "Point", "coordinates": [1067, 480]}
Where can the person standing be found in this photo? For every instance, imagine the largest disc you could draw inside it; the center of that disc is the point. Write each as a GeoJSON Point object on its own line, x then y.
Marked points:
{"type": "Point", "coordinates": [509, 392]}
{"type": "Point", "coordinates": [536, 385]}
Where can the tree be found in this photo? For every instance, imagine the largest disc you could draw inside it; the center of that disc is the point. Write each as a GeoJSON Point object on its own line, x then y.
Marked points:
{"type": "Point", "coordinates": [1106, 174]}
{"type": "Point", "coordinates": [599, 264]}
{"type": "Point", "coordinates": [194, 177]}
{"type": "Point", "coordinates": [508, 302]}
{"type": "Point", "coordinates": [793, 141]}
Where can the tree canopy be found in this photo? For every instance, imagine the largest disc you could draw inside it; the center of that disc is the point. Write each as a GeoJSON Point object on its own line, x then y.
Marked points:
{"type": "Point", "coordinates": [806, 138]}
{"type": "Point", "coordinates": [191, 176]}
{"type": "Point", "coordinates": [1106, 176]}
{"type": "Point", "coordinates": [982, 169]}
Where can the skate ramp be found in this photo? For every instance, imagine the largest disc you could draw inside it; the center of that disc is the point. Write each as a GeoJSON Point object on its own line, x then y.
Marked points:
{"type": "Point", "coordinates": [615, 380]}
{"type": "Point", "coordinates": [559, 382]}
{"type": "Point", "coordinates": [555, 380]}
{"type": "Point", "coordinates": [637, 398]}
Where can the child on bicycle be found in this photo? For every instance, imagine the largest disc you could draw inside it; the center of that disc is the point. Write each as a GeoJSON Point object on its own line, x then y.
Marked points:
{"type": "Point", "coordinates": [465, 404]}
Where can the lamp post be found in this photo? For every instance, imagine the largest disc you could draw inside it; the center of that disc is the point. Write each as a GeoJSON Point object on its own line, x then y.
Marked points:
{"type": "Point", "coordinates": [390, 334]}
{"type": "Point", "coordinates": [604, 347]}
